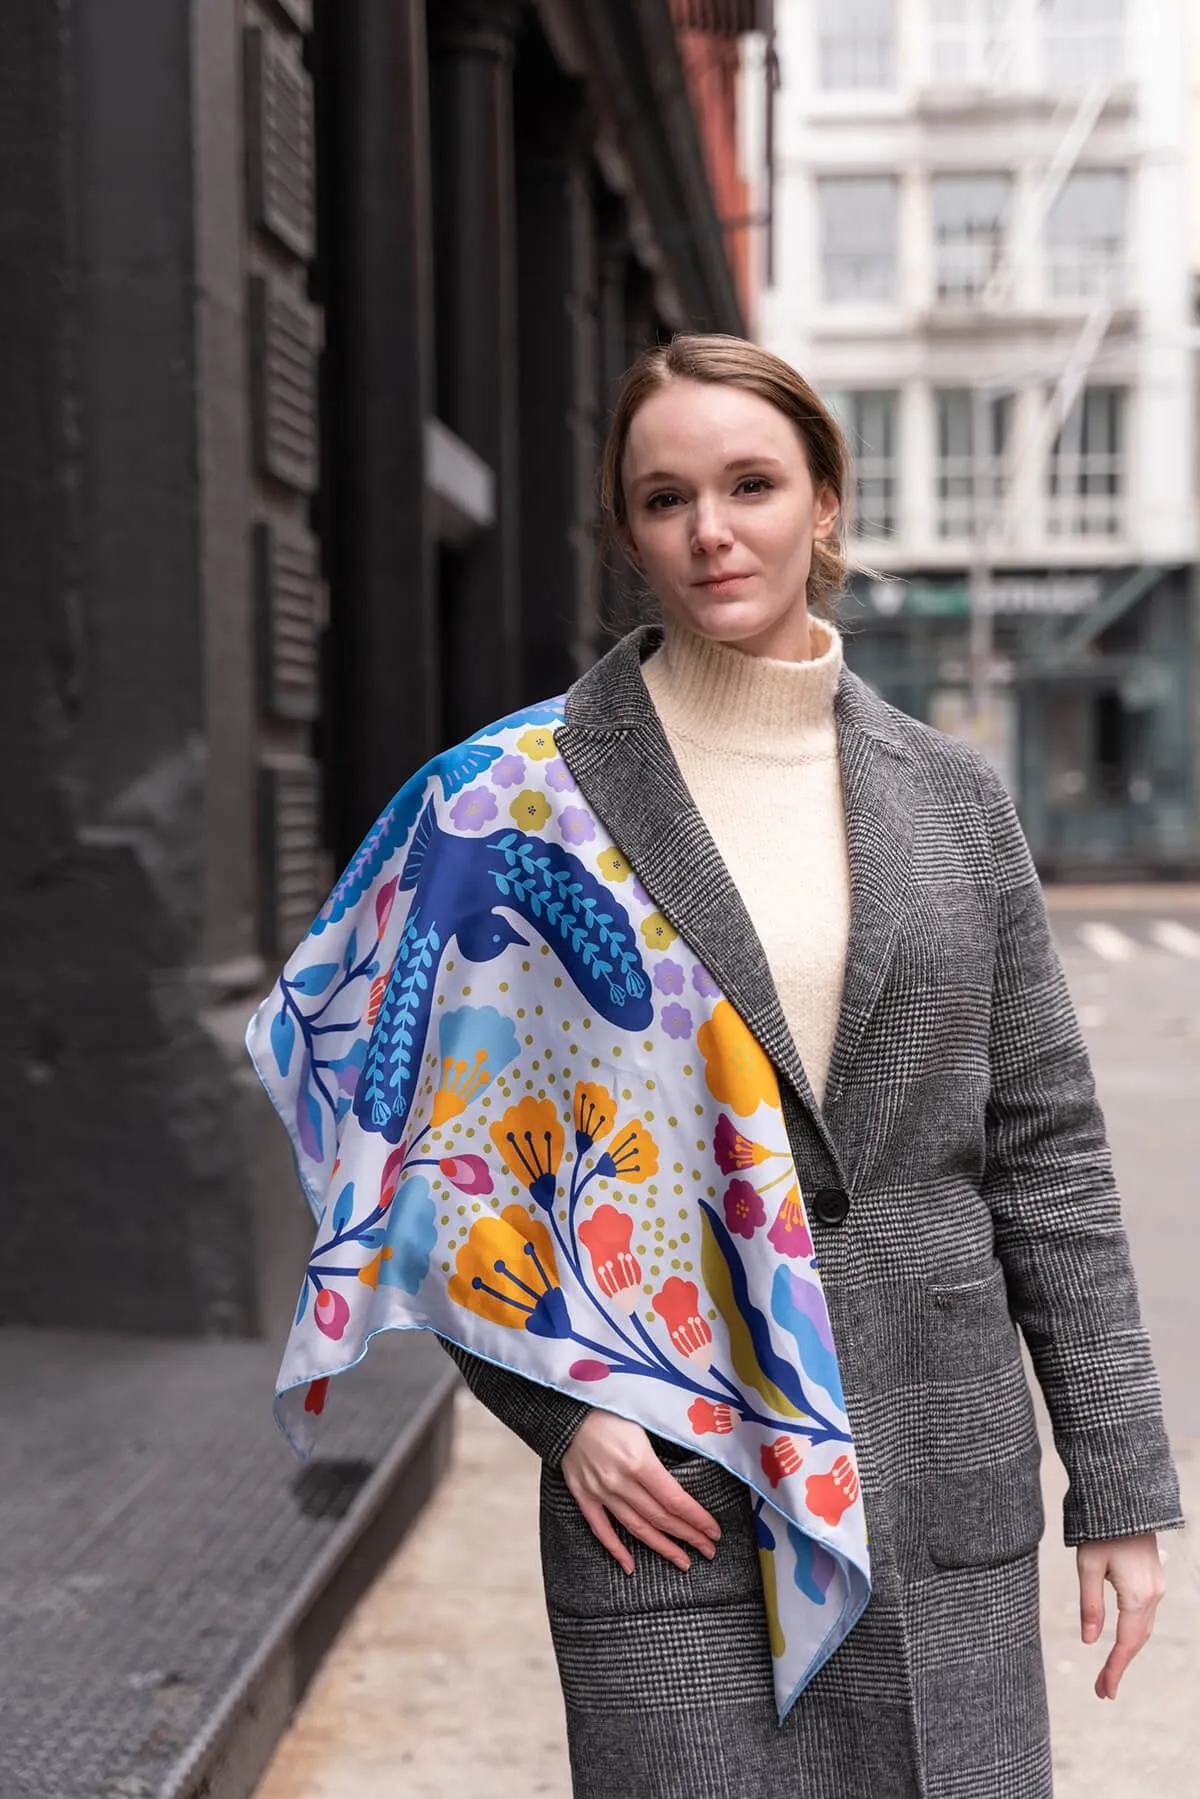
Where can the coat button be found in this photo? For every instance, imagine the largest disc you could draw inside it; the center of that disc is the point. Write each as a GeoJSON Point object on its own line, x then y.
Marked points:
{"type": "Point", "coordinates": [831, 1205]}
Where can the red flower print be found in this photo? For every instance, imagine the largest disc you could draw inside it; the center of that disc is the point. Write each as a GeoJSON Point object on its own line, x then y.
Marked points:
{"type": "Point", "coordinates": [379, 987]}
{"type": "Point", "coordinates": [606, 1235]}
{"type": "Point", "coordinates": [732, 1150]}
{"type": "Point", "coordinates": [780, 1458]}
{"type": "Point", "coordinates": [332, 1313]}
{"type": "Point", "coordinates": [789, 1233]}
{"type": "Point", "coordinates": [828, 1496]}
{"type": "Point", "coordinates": [706, 1418]}
{"type": "Point", "coordinates": [314, 1399]}
{"type": "Point", "coordinates": [470, 1174]}
{"type": "Point", "coordinates": [678, 1302]}
{"type": "Point", "coordinates": [744, 1209]}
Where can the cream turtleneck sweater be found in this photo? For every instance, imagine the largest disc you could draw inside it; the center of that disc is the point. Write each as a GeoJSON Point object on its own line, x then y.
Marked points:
{"type": "Point", "coordinates": [756, 743]}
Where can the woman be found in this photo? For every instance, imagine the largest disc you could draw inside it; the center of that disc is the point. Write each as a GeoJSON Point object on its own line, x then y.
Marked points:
{"type": "Point", "coordinates": [851, 892]}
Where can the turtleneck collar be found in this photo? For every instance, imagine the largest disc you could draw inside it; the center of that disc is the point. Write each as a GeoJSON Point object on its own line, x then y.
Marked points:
{"type": "Point", "coordinates": [748, 706]}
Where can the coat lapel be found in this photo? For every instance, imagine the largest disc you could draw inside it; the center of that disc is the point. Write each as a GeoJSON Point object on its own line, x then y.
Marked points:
{"type": "Point", "coordinates": [616, 748]}
{"type": "Point", "coordinates": [879, 795]}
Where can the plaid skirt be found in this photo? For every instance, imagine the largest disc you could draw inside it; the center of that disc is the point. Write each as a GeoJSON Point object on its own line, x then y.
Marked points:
{"type": "Point", "coordinates": [938, 1693]}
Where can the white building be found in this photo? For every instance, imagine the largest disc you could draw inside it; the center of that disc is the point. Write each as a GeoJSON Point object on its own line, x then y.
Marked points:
{"type": "Point", "coordinates": [984, 255]}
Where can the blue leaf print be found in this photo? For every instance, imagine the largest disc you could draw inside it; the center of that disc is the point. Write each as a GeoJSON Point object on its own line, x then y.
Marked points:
{"type": "Point", "coordinates": [351, 955]}
{"type": "Point", "coordinates": [303, 1306]}
{"type": "Point", "coordinates": [343, 1211]}
{"type": "Point", "coordinates": [458, 768]}
{"type": "Point", "coordinates": [283, 1039]}
{"type": "Point", "coordinates": [388, 832]}
{"type": "Point", "coordinates": [308, 1118]}
{"type": "Point", "coordinates": [814, 1567]}
{"type": "Point", "coordinates": [314, 979]}
{"type": "Point", "coordinates": [411, 1235]}
{"type": "Point", "coordinates": [798, 1306]}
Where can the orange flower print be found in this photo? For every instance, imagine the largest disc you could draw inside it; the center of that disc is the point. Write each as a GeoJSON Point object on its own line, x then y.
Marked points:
{"type": "Point", "coordinates": [593, 1111]}
{"type": "Point", "coordinates": [632, 1156]}
{"type": "Point", "coordinates": [677, 1302]}
{"type": "Point", "coordinates": [737, 1071]}
{"type": "Point", "coordinates": [829, 1496]}
{"type": "Point", "coordinates": [705, 1418]}
{"type": "Point", "coordinates": [537, 743]}
{"type": "Point", "coordinates": [607, 1235]}
{"type": "Point", "coordinates": [379, 987]}
{"type": "Point", "coordinates": [506, 1272]}
{"type": "Point", "coordinates": [658, 932]}
{"type": "Point", "coordinates": [531, 1140]}
{"type": "Point", "coordinates": [780, 1458]}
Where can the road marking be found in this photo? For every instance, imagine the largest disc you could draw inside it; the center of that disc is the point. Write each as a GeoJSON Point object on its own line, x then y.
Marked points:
{"type": "Point", "coordinates": [1108, 942]}
{"type": "Point", "coordinates": [1169, 934]}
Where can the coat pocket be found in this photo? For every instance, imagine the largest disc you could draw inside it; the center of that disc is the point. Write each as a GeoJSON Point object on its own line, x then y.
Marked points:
{"type": "Point", "coordinates": [983, 1498]}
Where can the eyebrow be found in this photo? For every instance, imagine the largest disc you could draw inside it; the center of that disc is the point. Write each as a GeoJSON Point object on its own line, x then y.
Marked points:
{"type": "Point", "coordinates": [731, 468]}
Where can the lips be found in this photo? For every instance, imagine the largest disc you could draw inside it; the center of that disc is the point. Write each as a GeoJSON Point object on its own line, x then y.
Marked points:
{"type": "Point", "coordinates": [722, 583]}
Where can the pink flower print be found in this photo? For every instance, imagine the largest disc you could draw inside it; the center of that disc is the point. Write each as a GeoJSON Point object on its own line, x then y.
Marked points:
{"type": "Point", "coordinates": [589, 1370]}
{"type": "Point", "coordinates": [332, 1313]}
{"type": "Point", "coordinates": [678, 1303]}
{"type": "Point", "coordinates": [676, 1021]}
{"type": "Point", "coordinates": [779, 1459]}
{"type": "Point", "coordinates": [668, 976]}
{"type": "Point", "coordinates": [470, 1174]}
{"type": "Point", "coordinates": [744, 1209]}
{"type": "Point", "coordinates": [789, 1233]}
{"type": "Point", "coordinates": [704, 984]}
{"type": "Point", "coordinates": [559, 776]}
{"type": "Point", "coordinates": [732, 1150]}
{"type": "Point", "coordinates": [509, 771]}
{"type": "Point", "coordinates": [474, 809]}
{"type": "Point", "coordinates": [576, 825]}
{"type": "Point", "coordinates": [707, 1419]}
{"type": "Point", "coordinates": [830, 1496]}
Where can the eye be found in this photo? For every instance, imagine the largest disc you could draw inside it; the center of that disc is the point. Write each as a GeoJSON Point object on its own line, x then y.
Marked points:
{"type": "Point", "coordinates": [660, 502]}
{"type": "Point", "coordinates": [754, 484]}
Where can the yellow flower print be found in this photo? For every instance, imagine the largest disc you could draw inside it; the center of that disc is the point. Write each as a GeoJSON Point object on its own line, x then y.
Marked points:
{"type": "Point", "coordinates": [738, 1072]}
{"type": "Point", "coordinates": [531, 1139]}
{"type": "Point", "coordinates": [613, 866]}
{"type": "Point", "coordinates": [538, 743]}
{"type": "Point", "coordinates": [530, 809]}
{"type": "Point", "coordinates": [593, 1111]}
{"type": "Point", "coordinates": [631, 1156]}
{"type": "Point", "coordinates": [506, 1272]}
{"type": "Point", "coordinates": [657, 933]}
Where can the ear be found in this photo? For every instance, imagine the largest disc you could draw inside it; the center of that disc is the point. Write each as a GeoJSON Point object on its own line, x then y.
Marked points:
{"type": "Point", "coordinates": [826, 507]}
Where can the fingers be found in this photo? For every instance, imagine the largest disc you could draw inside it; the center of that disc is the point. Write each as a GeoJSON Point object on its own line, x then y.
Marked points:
{"type": "Point", "coordinates": [598, 1522]}
{"type": "Point", "coordinates": [1135, 1622]}
{"type": "Point", "coordinates": [688, 1518]}
{"type": "Point", "coordinates": [1091, 1594]}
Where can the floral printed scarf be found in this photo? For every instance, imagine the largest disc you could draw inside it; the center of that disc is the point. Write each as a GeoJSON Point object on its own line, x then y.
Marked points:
{"type": "Point", "coordinates": [526, 1118]}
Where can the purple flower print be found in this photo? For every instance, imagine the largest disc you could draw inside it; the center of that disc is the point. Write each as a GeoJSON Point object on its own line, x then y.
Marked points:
{"type": "Point", "coordinates": [703, 982]}
{"type": "Point", "coordinates": [559, 776]}
{"type": "Point", "coordinates": [509, 771]}
{"type": "Point", "coordinates": [640, 894]}
{"type": "Point", "coordinates": [744, 1209]}
{"type": "Point", "coordinates": [676, 1021]}
{"type": "Point", "coordinates": [474, 809]}
{"type": "Point", "coordinates": [576, 825]}
{"type": "Point", "coordinates": [668, 977]}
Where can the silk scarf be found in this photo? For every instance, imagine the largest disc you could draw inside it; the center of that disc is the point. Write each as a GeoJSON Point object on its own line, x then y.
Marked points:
{"type": "Point", "coordinates": [526, 1117]}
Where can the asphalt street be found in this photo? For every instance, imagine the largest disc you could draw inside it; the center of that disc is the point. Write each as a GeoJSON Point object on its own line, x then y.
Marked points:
{"type": "Point", "coordinates": [442, 1685]}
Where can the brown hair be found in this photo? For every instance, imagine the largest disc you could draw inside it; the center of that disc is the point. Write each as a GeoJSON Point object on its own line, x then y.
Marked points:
{"type": "Point", "coordinates": [739, 363]}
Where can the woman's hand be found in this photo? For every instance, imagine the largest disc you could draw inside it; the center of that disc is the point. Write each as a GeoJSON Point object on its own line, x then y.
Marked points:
{"type": "Point", "coordinates": [610, 1468]}
{"type": "Point", "coordinates": [1133, 1567]}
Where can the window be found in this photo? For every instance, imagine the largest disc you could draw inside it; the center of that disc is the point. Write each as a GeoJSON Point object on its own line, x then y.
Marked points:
{"type": "Point", "coordinates": [970, 488]}
{"type": "Point", "coordinates": [1085, 237]}
{"type": "Point", "coordinates": [856, 43]}
{"type": "Point", "coordinates": [1084, 41]}
{"type": "Point", "coordinates": [869, 420]}
{"type": "Point", "coordinates": [858, 237]}
{"type": "Point", "coordinates": [970, 214]}
{"type": "Point", "coordinates": [972, 42]}
{"type": "Point", "coordinates": [1087, 467]}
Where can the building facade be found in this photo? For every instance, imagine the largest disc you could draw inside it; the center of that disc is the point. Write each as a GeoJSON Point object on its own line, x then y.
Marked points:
{"type": "Point", "coordinates": [311, 314]}
{"type": "Point", "coordinates": [984, 264]}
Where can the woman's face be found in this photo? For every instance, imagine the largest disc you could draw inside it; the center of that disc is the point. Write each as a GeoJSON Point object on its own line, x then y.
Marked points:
{"type": "Point", "coordinates": [722, 515]}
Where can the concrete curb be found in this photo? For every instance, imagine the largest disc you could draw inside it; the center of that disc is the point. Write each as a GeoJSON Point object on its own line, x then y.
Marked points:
{"type": "Point", "coordinates": [227, 1757]}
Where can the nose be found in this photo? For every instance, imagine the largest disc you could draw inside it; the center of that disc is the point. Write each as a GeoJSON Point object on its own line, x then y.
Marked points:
{"type": "Point", "coordinates": [710, 527]}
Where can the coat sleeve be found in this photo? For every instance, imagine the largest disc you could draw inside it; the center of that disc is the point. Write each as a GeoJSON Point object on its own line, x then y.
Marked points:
{"type": "Point", "coordinates": [544, 1419]}
{"type": "Point", "coordinates": [1049, 1183]}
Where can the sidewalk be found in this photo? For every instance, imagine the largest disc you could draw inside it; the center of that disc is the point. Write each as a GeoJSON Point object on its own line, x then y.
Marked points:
{"type": "Point", "coordinates": [443, 1684]}
{"type": "Point", "coordinates": [170, 1575]}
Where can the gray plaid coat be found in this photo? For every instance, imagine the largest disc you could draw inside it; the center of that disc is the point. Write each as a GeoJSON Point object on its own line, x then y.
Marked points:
{"type": "Point", "coordinates": [961, 1119]}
